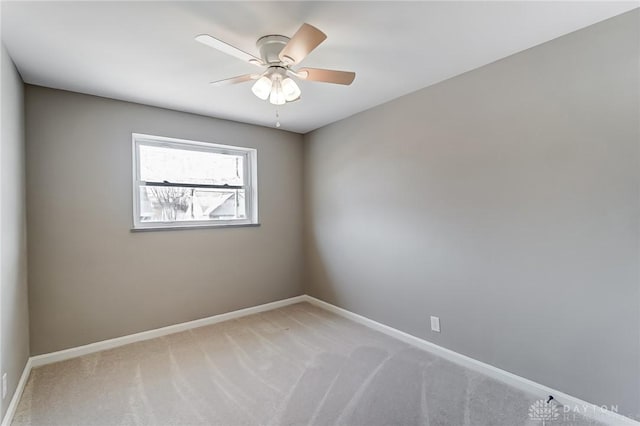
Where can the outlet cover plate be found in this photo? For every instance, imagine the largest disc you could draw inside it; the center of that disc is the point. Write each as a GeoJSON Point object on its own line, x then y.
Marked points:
{"type": "Point", "coordinates": [435, 324]}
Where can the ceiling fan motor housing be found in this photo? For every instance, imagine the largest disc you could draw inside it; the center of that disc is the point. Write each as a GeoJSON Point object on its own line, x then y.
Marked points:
{"type": "Point", "coordinates": [270, 47]}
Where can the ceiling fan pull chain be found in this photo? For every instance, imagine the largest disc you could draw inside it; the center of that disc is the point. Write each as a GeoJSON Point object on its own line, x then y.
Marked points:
{"type": "Point", "coordinates": [277, 118]}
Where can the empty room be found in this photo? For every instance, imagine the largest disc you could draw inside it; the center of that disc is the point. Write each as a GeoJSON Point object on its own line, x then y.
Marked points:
{"type": "Point", "coordinates": [292, 213]}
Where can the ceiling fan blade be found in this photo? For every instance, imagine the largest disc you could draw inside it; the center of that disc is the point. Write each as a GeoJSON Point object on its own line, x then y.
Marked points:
{"type": "Point", "coordinates": [301, 44]}
{"type": "Point", "coordinates": [326, 76]}
{"type": "Point", "coordinates": [220, 45]}
{"type": "Point", "coordinates": [236, 80]}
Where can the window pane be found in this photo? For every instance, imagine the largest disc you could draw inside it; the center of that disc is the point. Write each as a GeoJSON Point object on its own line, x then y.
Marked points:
{"type": "Point", "coordinates": [159, 164]}
{"type": "Point", "coordinates": [174, 203]}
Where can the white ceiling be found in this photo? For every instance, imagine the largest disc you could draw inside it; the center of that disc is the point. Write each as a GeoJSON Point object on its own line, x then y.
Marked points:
{"type": "Point", "coordinates": [144, 51]}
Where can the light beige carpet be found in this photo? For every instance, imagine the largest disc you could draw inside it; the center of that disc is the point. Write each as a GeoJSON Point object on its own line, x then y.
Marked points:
{"type": "Point", "coordinates": [298, 365]}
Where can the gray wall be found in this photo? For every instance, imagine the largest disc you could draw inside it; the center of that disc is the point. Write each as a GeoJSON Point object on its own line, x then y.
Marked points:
{"type": "Point", "coordinates": [90, 278]}
{"type": "Point", "coordinates": [14, 311]}
{"type": "Point", "coordinates": [506, 202]}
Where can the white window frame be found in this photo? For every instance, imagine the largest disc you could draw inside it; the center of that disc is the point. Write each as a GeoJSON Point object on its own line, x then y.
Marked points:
{"type": "Point", "coordinates": [250, 181]}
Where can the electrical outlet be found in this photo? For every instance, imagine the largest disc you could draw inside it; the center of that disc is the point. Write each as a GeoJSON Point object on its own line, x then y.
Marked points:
{"type": "Point", "coordinates": [435, 324]}
{"type": "Point", "coordinates": [4, 385]}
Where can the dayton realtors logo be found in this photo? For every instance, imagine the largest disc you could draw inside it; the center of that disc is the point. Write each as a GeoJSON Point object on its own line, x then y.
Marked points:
{"type": "Point", "coordinates": [543, 411]}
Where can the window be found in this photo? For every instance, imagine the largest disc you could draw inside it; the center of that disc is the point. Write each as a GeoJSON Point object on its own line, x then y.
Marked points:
{"type": "Point", "coordinates": [179, 183]}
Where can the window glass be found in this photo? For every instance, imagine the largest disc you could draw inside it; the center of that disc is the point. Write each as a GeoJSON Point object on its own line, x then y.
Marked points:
{"type": "Point", "coordinates": [159, 163]}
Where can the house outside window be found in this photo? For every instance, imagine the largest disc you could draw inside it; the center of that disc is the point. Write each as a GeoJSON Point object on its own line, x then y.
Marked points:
{"type": "Point", "coordinates": [185, 184]}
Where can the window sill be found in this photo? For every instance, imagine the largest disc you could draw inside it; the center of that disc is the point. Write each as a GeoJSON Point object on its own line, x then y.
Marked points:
{"type": "Point", "coordinates": [184, 227]}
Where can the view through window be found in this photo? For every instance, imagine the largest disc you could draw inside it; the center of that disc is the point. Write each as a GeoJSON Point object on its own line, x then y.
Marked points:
{"type": "Point", "coordinates": [184, 183]}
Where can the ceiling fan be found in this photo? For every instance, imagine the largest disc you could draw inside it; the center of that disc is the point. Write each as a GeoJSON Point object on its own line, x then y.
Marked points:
{"type": "Point", "coordinates": [278, 54]}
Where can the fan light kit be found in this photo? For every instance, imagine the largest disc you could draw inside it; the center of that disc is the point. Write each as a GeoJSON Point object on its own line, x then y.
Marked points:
{"type": "Point", "coordinates": [277, 87]}
{"type": "Point", "coordinates": [278, 54]}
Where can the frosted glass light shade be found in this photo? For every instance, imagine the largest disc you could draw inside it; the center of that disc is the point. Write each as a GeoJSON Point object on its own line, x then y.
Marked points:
{"type": "Point", "coordinates": [277, 95]}
{"type": "Point", "coordinates": [262, 87]}
{"type": "Point", "coordinates": [276, 87]}
{"type": "Point", "coordinates": [290, 89]}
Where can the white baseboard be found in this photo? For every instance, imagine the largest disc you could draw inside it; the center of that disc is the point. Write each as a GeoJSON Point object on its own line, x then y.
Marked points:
{"type": "Point", "coordinates": [49, 358]}
{"type": "Point", "coordinates": [592, 411]}
{"type": "Point", "coordinates": [11, 410]}
{"type": "Point", "coordinates": [586, 409]}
